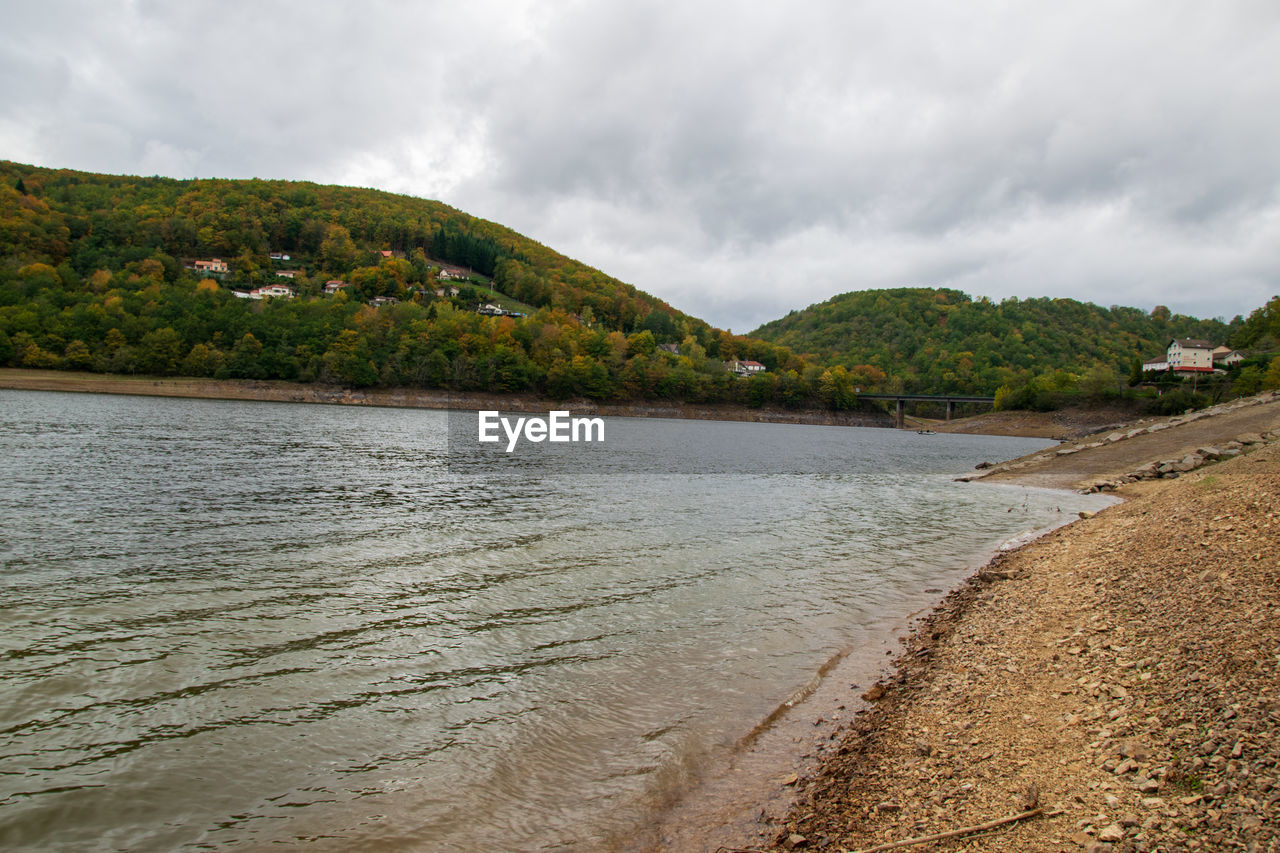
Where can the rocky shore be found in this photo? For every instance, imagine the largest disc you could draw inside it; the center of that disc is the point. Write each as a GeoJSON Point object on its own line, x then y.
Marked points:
{"type": "Point", "coordinates": [1113, 686]}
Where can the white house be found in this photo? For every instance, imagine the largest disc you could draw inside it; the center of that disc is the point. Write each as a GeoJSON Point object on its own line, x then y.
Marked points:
{"type": "Point", "coordinates": [456, 273]}
{"type": "Point", "coordinates": [273, 290]}
{"type": "Point", "coordinates": [288, 273]}
{"type": "Point", "coordinates": [333, 285]}
{"type": "Point", "coordinates": [1229, 358]}
{"type": "Point", "coordinates": [1159, 364]}
{"type": "Point", "coordinates": [746, 368]}
{"type": "Point", "coordinates": [1190, 355]}
{"type": "Point", "coordinates": [216, 266]}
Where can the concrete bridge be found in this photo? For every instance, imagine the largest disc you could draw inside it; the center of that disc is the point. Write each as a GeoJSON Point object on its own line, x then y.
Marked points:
{"type": "Point", "coordinates": [903, 399]}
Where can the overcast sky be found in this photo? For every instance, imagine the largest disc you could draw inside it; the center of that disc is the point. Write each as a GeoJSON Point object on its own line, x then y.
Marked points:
{"type": "Point", "coordinates": [739, 160]}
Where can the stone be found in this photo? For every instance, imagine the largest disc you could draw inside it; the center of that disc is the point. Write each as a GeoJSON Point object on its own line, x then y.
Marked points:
{"type": "Point", "coordinates": [1111, 833]}
{"type": "Point", "coordinates": [1136, 751]}
{"type": "Point", "coordinates": [1146, 785]}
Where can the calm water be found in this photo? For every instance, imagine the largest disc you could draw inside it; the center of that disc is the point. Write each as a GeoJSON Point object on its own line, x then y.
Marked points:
{"type": "Point", "coordinates": [225, 624]}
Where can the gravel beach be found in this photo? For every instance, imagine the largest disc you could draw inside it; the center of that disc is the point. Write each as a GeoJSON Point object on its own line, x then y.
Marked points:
{"type": "Point", "coordinates": [1112, 686]}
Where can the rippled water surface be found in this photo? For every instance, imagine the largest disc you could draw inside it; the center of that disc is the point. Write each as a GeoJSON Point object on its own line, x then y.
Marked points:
{"type": "Point", "coordinates": [228, 624]}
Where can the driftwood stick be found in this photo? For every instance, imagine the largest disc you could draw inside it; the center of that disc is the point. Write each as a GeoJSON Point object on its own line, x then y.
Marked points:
{"type": "Point", "coordinates": [924, 839]}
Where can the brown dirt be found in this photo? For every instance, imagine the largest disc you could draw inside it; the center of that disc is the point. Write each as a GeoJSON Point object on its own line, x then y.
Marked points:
{"type": "Point", "coordinates": [1065, 424]}
{"type": "Point", "coordinates": [1102, 458]}
{"type": "Point", "coordinates": [1120, 674]}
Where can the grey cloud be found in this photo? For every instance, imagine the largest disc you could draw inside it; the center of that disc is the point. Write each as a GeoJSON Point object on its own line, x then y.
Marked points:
{"type": "Point", "coordinates": [736, 160]}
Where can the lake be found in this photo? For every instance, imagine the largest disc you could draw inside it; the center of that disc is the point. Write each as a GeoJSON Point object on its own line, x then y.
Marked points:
{"type": "Point", "coordinates": [233, 624]}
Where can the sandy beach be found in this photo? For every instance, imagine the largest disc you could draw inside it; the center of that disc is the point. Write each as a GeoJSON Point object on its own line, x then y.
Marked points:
{"type": "Point", "coordinates": [1112, 686]}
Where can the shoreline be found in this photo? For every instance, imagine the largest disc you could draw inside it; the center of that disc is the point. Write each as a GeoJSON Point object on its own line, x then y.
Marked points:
{"type": "Point", "coordinates": [279, 391]}
{"type": "Point", "coordinates": [731, 807]}
{"type": "Point", "coordinates": [1077, 675]}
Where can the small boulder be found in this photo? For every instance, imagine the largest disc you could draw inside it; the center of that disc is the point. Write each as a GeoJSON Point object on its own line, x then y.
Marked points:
{"type": "Point", "coordinates": [1111, 833]}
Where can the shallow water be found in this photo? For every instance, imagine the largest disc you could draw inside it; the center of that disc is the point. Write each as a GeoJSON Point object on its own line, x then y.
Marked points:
{"type": "Point", "coordinates": [227, 624]}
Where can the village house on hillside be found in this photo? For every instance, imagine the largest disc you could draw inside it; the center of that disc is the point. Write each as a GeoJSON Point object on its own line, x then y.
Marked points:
{"type": "Point", "coordinates": [278, 291]}
{"type": "Point", "coordinates": [333, 285]}
{"type": "Point", "coordinates": [1159, 364]}
{"type": "Point", "coordinates": [456, 273]}
{"type": "Point", "coordinates": [214, 266]}
{"type": "Point", "coordinates": [1225, 356]}
{"type": "Point", "coordinates": [1190, 355]}
{"type": "Point", "coordinates": [745, 368]}
{"type": "Point", "coordinates": [491, 310]}
{"type": "Point", "coordinates": [1193, 355]}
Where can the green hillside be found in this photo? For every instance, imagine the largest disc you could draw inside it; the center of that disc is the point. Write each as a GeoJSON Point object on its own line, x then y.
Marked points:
{"type": "Point", "coordinates": [125, 275]}
{"type": "Point", "coordinates": [934, 340]}
{"type": "Point", "coordinates": [166, 277]}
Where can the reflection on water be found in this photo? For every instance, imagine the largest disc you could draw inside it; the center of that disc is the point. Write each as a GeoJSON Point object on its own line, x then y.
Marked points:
{"type": "Point", "coordinates": [227, 624]}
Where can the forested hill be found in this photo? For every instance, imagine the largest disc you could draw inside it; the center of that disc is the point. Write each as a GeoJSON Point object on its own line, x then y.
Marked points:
{"type": "Point", "coordinates": [940, 340]}
{"type": "Point", "coordinates": [141, 275]}
{"type": "Point", "coordinates": [103, 221]}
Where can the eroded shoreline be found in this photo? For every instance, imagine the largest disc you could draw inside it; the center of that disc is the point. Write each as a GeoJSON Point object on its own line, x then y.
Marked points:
{"type": "Point", "coordinates": [263, 390]}
{"type": "Point", "coordinates": [1115, 682]}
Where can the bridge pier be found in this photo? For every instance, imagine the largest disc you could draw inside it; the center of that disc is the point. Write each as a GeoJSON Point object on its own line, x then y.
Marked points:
{"type": "Point", "coordinates": [901, 420]}
{"type": "Point", "coordinates": [951, 409]}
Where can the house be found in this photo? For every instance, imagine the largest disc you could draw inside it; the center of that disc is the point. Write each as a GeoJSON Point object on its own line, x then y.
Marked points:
{"type": "Point", "coordinates": [216, 266]}
{"type": "Point", "coordinates": [272, 290]}
{"type": "Point", "coordinates": [1190, 355]}
{"type": "Point", "coordinates": [490, 309]}
{"type": "Point", "coordinates": [333, 285]}
{"type": "Point", "coordinates": [1229, 358]}
{"type": "Point", "coordinates": [674, 349]}
{"type": "Point", "coordinates": [383, 300]}
{"type": "Point", "coordinates": [746, 368]}
{"type": "Point", "coordinates": [386, 253]}
{"type": "Point", "coordinates": [452, 290]}
{"type": "Point", "coordinates": [278, 256]}
{"type": "Point", "coordinates": [450, 272]}
{"type": "Point", "coordinates": [1159, 364]}
{"type": "Point", "coordinates": [287, 273]}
